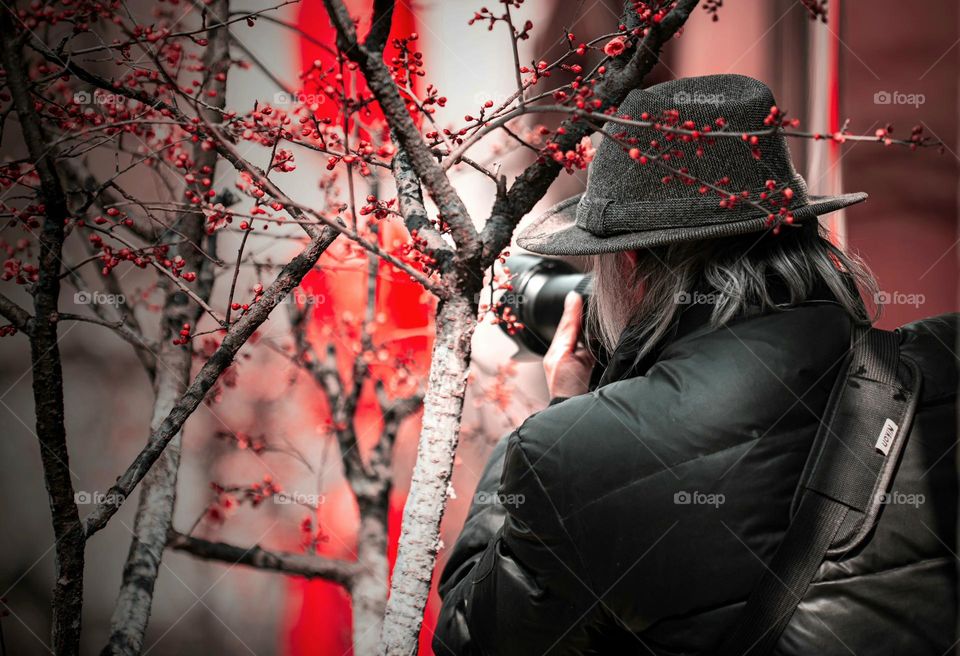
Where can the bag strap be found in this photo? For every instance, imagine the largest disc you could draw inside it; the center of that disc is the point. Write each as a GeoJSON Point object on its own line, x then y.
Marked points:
{"type": "Point", "coordinates": [843, 487]}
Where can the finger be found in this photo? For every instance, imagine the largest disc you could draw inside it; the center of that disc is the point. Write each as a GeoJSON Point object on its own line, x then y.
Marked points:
{"type": "Point", "coordinates": [584, 355]}
{"type": "Point", "coordinates": [568, 330]}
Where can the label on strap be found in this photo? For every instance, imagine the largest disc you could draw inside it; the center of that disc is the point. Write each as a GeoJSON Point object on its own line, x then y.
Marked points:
{"type": "Point", "coordinates": [887, 433]}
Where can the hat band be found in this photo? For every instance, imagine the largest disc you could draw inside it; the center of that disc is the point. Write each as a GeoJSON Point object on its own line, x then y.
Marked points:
{"type": "Point", "coordinates": [604, 217]}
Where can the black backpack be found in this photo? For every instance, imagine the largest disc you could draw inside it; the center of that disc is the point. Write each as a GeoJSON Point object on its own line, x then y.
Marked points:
{"type": "Point", "coordinates": [848, 474]}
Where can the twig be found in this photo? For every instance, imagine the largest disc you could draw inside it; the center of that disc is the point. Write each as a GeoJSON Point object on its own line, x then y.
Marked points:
{"type": "Point", "coordinates": [308, 566]}
{"type": "Point", "coordinates": [237, 335]}
{"type": "Point", "coordinates": [16, 315]}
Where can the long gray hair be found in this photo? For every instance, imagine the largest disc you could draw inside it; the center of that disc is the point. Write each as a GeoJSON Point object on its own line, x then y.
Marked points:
{"type": "Point", "coordinates": [737, 272]}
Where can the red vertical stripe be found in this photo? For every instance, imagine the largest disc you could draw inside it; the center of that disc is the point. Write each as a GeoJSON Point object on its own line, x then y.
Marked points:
{"type": "Point", "coordinates": [318, 620]}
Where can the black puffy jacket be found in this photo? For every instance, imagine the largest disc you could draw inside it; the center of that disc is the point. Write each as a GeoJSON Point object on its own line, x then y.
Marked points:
{"type": "Point", "coordinates": [636, 519]}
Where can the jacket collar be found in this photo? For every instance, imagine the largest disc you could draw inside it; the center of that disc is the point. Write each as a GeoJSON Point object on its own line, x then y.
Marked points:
{"type": "Point", "coordinates": [693, 318]}
{"type": "Point", "coordinates": [623, 362]}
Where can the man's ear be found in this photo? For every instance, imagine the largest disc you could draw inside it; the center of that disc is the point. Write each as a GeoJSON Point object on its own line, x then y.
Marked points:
{"type": "Point", "coordinates": [633, 256]}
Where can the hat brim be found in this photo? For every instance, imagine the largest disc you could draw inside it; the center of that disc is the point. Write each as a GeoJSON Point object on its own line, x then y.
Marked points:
{"type": "Point", "coordinates": [555, 232]}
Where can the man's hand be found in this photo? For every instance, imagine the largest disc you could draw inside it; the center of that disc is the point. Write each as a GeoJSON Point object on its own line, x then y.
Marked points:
{"type": "Point", "coordinates": [566, 364]}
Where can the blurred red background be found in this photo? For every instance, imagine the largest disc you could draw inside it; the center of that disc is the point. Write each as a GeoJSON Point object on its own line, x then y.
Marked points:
{"type": "Point", "coordinates": [407, 331]}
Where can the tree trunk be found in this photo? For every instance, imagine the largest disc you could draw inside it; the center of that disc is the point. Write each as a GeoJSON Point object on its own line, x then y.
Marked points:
{"type": "Point", "coordinates": [158, 492]}
{"type": "Point", "coordinates": [420, 538]}
{"type": "Point", "coordinates": [368, 590]}
{"type": "Point", "coordinates": [157, 497]}
{"type": "Point", "coordinates": [67, 528]}
{"type": "Point", "coordinates": [45, 356]}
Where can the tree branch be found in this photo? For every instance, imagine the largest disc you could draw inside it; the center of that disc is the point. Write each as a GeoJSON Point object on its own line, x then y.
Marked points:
{"type": "Point", "coordinates": [125, 327]}
{"type": "Point", "coordinates": [297, 211]}
{"type": "Point", "coordinates": [414, 213]}
{"type": "Point", "coordinates": [380, 25]}
{"type": "Point", "coordinates": [124, 331]}
{"type": "Point", "coordinates": [532, 184]}
{"type": "Point", "coordinates": [237, 335]}
{"type": "Point", "coordinates": [381, 83]}
{"type": "Point", "coordinates": [308, 566]}
{"type": "Point", "coordinates": [16, 315]}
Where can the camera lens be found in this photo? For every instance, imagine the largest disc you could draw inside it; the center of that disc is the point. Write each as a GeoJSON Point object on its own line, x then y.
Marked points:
{"type": "Point", "coordinates": [530, 312]}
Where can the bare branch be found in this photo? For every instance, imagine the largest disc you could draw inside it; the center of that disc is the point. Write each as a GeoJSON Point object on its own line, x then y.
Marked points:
{"type": "Point", "coordinates": [515, 48]}
{"type": "Point", "coordinates": [120, 327]}
{"type": "Point", "coordinates": [126, 328]}
{"type": "Point", "coordinates": [394, 412]}
{"type": "Point", "coordinates": [237, 335]}
{"type": "Point", "coordinates": [297, 211]}
{"type": "Point", "coordinates": [16, 315]}
{"type": "Point", "coordinates": [410, 201]}
{"type": "Point", "coordinates": [381, 83]}
{"type": "Point", "coordinates": [308, 566]}
{"type": "Point", "coordinates": [380, 25]}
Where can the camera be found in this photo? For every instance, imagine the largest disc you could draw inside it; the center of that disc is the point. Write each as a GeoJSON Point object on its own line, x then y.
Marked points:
{"type": "Point", "coordinates": [540, 286]}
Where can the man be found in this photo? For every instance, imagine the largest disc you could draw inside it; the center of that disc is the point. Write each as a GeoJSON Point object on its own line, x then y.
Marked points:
{"type": "Point", "coordinates": [636, 517]}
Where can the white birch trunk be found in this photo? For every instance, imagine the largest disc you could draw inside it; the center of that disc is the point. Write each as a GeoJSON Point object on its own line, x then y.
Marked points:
{"type": "Point", "coordinates": [368, 589]}
{"type": "Point", "coordinates": [420, 537]}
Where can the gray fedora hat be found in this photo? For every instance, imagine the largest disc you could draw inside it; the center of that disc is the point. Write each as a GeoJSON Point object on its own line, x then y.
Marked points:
{"type": "Point", "coordinates": [683, 183]}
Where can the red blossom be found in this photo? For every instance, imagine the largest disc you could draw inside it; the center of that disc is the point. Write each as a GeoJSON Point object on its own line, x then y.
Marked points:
{"type": "Point", "coordinates": [615, 46]}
